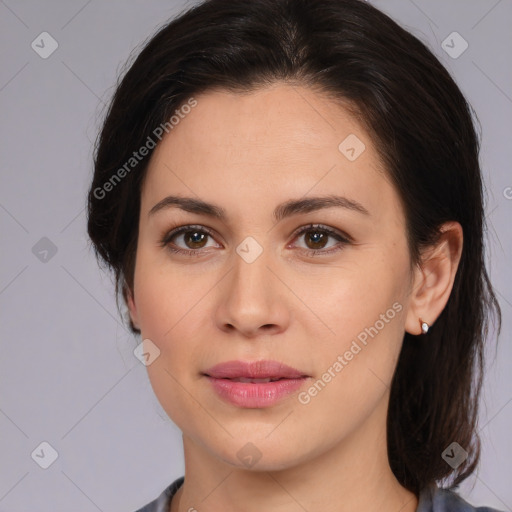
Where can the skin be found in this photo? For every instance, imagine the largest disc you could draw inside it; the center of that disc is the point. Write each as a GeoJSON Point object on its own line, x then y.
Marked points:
{"type": "Point", "coordinates": [247, 153]}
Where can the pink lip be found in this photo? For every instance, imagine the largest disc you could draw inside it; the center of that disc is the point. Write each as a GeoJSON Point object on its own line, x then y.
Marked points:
{"type": "Point", "coordinates": [254, 370]}
{"type": "Point", "coordinates": [254, 395]}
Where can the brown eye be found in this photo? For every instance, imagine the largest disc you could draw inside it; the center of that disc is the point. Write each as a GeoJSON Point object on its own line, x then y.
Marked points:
{"type": "Point", "coordinates": [187, 240]}
{"type": "Point", "coordinates": [316, 239]}
{"type": "Point", "coordinates": [195, 239]}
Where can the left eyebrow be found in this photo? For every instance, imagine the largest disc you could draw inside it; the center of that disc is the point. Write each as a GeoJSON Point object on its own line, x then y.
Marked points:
{"type": "Point", "coordinates": [283, 210]}
{"type": "Point", "coordinates": [311, 204]}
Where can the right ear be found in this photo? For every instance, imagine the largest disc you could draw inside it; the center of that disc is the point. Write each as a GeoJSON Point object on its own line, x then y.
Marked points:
{"type": "Point", "coordinates": [132, 308]}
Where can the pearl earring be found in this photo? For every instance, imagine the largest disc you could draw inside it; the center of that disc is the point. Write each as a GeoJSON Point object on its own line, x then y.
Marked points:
{"type": "Point", "coordinates": [424, 327]}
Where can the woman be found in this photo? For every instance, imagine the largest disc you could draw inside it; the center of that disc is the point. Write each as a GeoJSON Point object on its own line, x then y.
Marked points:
{"type": "Point", "coordinates": [289, 194]}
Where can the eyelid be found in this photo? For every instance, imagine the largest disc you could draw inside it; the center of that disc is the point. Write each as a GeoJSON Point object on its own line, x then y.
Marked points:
{"type": "Point", "coordinates": [342, 238]}
{"type": "Point", "coordinates": [322, 227]}
{"type": "Point", "coordinates": [183, 228]}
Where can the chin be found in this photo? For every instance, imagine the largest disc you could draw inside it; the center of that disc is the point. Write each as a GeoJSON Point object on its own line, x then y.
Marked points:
{"type": "Point", "coordinates": [260, 454]}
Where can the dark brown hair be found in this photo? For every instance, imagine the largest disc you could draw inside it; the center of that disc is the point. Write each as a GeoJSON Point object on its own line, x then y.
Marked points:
{"type": "Point", "coordinates": [423, 129]}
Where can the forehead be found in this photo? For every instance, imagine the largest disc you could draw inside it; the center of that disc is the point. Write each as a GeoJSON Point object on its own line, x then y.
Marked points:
{"type": "Point", "coordinates": [270, 144]}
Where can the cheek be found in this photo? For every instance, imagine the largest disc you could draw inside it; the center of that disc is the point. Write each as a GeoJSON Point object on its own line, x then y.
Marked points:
{"type": "Point", "coordinates": [354, 366]}
{"type": "Point", "coordinates": [165, 299]}
{"type": "Point", "coordinates": [353, 297]}
{"type": "Point", "coordinates": [363, 306]}
{"type": "Point", "coordinates": [164, 294]}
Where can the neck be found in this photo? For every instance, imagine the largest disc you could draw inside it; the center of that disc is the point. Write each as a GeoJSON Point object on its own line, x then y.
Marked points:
{"type": "Point", "coordinates": [352, 475]}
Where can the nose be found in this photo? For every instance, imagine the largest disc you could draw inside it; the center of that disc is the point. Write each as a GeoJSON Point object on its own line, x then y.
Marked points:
{"type": "Point", "coordinates": [252, 300]}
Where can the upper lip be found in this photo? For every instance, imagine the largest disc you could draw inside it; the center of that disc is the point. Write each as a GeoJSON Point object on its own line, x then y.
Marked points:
{"type": "Point", "coordinates": [253, 370]}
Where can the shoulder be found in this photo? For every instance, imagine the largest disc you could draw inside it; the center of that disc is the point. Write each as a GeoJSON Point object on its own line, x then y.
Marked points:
{"type": "Point", "coordinates": [436, 499]}
{"type": "Point", "coordinates": [431, 499]}
{"type": "Point", "coordinates": [163, 501]}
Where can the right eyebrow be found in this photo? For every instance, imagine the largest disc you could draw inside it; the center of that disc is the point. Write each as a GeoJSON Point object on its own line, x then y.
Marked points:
{"type": "Point", "coordinates": [189, 204]}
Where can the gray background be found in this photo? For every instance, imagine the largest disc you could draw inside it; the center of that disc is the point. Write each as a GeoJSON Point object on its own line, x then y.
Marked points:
{"type": "Point", "coordinates": [68, 373]}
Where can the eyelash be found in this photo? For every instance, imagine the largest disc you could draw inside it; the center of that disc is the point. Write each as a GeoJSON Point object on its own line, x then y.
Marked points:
{"type": "Point", "coordinates": [344, 240]}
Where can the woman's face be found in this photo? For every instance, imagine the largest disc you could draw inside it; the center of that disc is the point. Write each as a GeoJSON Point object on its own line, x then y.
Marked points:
{"type": "Point", "coordinates": [251, 285]}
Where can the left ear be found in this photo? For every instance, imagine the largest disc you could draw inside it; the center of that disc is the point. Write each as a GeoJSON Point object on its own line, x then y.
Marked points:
{"type": "Point", "coordinates": [433, 279]}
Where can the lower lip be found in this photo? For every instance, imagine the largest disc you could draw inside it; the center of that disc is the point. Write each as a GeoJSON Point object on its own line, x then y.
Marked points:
{"type": "Point", "coordinates": [255, 395]}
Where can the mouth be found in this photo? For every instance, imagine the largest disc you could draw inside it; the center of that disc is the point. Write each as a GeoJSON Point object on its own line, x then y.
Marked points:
{"type": "Point", "coordinates": [254, 372]}
{"type": "Point", "coordinates": [254, 385]}
{"type": "Point", "coordinates": [255, 381]}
